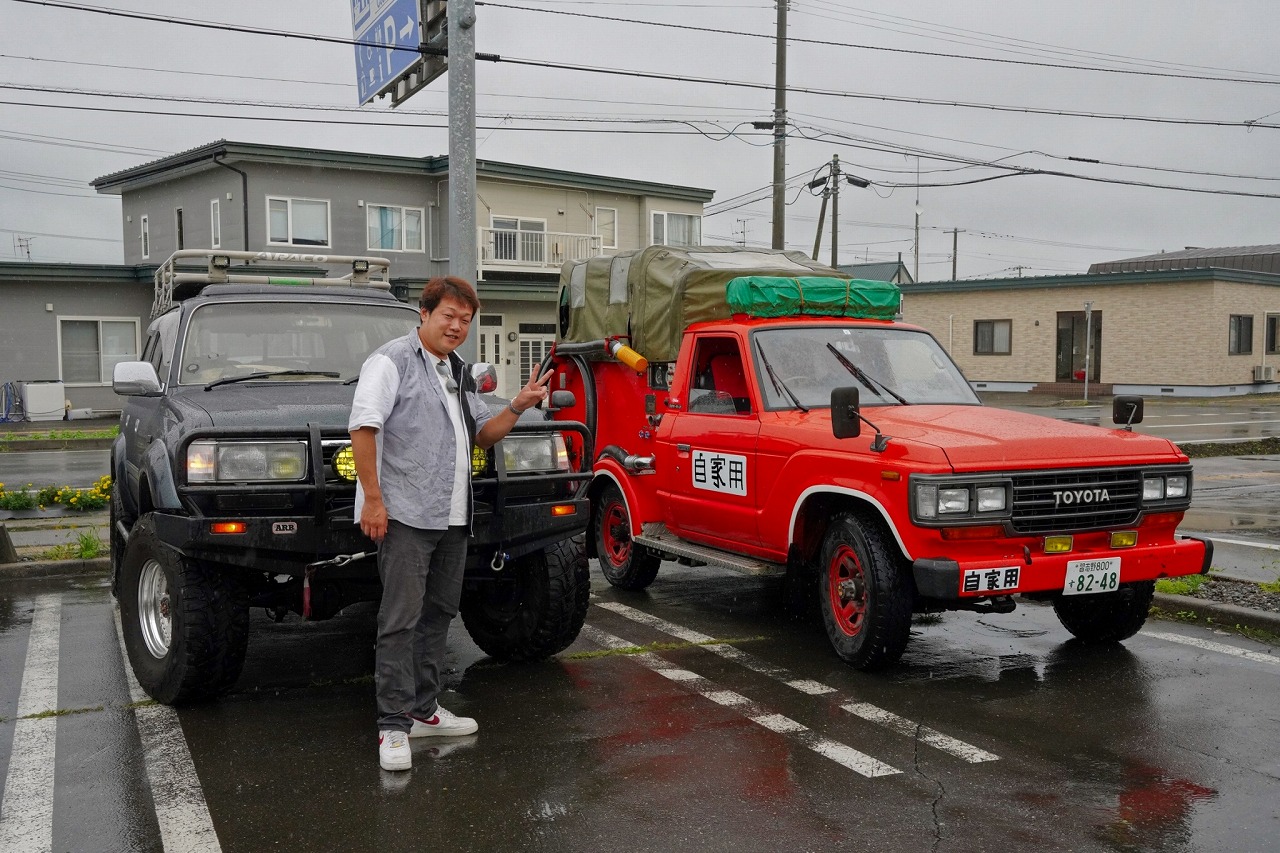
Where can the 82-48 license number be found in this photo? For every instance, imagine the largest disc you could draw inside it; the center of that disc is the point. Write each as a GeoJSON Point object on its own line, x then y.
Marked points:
{"type": "Point", "coordinates": [1090, 576]}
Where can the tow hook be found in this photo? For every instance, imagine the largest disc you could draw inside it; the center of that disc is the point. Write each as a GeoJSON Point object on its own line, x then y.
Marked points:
{"type": "Point", "coordinates": [499, 561]}
{"type": "Point", "coordinates": [310, 570]}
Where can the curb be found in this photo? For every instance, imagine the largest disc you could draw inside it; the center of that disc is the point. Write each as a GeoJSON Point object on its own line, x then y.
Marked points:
{"type": "Point", "coordinates": [55, 568]}
{"type": "Point", "coordinates": [1224, 614]}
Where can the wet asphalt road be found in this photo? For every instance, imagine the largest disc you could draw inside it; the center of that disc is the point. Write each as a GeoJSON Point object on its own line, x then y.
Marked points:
{"type": "Point", "coordinates": [995, 733]}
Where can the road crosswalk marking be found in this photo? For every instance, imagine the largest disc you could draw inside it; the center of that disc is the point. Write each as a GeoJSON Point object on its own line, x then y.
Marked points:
{"type": "Point", "coordinates": [26, 812]}
{"type": "Point", "coordinates": [870, 713]}
{"type": "Point", "coordinates": [840, 753]}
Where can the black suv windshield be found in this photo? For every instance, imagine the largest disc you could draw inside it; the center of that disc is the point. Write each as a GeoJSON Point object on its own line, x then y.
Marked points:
{"type": "Point", "coordinates": [226, 340]}
{"type": "Point", "coordinates": [894, 362]}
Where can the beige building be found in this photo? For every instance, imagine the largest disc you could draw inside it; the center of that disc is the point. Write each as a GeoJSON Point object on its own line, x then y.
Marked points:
{"type": "Point", "coordinates": [1197, 323]}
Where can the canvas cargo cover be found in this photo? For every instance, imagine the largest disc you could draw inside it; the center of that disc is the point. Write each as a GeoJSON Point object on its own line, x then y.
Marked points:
{"type": "Point", "coordinates": [770, 296]}
{"type": "Point", "coordinates": [653, 294]}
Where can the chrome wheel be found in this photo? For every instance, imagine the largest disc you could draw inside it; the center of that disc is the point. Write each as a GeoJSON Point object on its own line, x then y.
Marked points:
{"type": "Point", "coordinates": [155, 616]}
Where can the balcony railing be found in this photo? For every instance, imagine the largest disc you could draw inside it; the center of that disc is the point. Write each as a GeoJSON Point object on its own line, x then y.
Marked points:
{"type": "Point", "coordinates": [512, 250]}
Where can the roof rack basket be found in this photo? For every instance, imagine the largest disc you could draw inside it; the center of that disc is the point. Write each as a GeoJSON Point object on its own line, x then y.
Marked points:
{"type": "Point", "coordinates": [365, 272]}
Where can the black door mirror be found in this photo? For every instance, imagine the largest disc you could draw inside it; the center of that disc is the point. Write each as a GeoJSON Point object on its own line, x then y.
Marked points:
{"type": "Point", "coordinates": [845, 422]}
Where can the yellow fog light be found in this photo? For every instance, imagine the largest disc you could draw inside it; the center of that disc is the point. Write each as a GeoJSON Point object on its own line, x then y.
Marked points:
{"type": "Point", "coordinates": [1124, 538]}
{"type": "Point", "coordinates": [344, 463]}
{"type": "Point", "coordinates": [1057, 544]}
{"type": "Point", "coordinates": [479, 460]}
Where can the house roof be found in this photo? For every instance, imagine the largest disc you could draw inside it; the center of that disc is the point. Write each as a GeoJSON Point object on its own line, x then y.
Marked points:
{"type": "Point", "coordinates": [880, 271]}
{"type": "Point", "coordinates": [208, 156]}
{"type": "Point", "coordinates": [1136, 277]}
{"type": "Point", "coordinates": [1252, 258]}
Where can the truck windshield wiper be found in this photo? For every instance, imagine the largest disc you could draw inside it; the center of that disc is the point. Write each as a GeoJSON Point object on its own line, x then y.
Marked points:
{"type": "Point", "coordinates": [778, 385]}
{"type": "Point", "coordinates": [265, 374]}
{"type": "Point", "coordinates": [864, 378]}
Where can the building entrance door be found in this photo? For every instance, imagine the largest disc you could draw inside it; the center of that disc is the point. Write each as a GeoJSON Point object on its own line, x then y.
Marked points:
{"type": "Point", "coordinates": [490, 347]}
{"type": "Point", "coordinates": [1071, 347]}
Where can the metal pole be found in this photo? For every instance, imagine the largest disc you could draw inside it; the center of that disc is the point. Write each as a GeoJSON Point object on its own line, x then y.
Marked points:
{"type": "Point", "coordinates": [1088, 334]}
{"type": "Point", "coordinates": [835, 208]}
{"type": "Point", "coordinates": [780, 132]}
{"type": "Point", "coordinates": [822, 218]}
{"type": "Point", "coordinates": [463, 242]}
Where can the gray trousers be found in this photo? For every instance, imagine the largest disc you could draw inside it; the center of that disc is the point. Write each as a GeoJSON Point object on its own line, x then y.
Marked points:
{"type": "Point", "coordinates": [421, 574]}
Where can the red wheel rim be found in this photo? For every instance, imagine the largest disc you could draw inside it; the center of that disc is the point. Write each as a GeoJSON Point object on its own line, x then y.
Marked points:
{"type": "Point", "coordinates": [615, 532]}
{"type": "Point", "coordinates": [847, 590]}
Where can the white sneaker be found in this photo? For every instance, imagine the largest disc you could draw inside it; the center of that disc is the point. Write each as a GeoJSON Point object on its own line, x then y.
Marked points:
{"type": "Point", "coordinates": [443, 724]}
{"type": "Point", "coordinates": [393, 750]}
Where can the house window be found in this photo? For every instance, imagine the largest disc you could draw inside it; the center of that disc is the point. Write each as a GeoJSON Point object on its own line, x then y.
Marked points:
{"type": "Point", "coordinates": [297, 222]}
{"type": "Point", "coordinates": [89, 348]}
{"type": "Point", "coordinates": [519, 240]}
{"type": "Point", "coordinates": [395, 229]}
{"type": "Point", "coordinates": [215, 219]}
{"type": "Point", "coordinates": [177, 227]}
{"type": "Point", "coordinates": [536, 341]}
{"type": "Point", "coordinates": [144, 236]}
{"type": "Point", "coordinates": [1240, 334]}
{"type": "Point", "coordinates": [992, 337]}
{"type": "Point", "coordinates": [607, 227]}
{"type": "Point", "coordinates": [676, 229]}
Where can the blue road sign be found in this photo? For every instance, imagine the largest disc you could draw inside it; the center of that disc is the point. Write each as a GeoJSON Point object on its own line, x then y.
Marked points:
{"type": "Point", "coordinates": [392, 24]}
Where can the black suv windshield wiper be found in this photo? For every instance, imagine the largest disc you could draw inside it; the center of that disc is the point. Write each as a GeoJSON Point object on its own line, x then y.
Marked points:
{"type": "Point", "coordinates": [864, 378]}
{"type": "Point", "coordinates": [266, 374]}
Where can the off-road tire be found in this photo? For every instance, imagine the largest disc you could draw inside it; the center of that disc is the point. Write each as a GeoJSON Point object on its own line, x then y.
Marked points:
{"type": "Point", "coordinates": [864, 596]}
{"type": "Point", "coordinates": [625, 564]}
{"type": "Point", "coordinates": [534, 607]}
{"type": "Point", "coordinates": [203, 611]}
{"type": "Point", "coordinates": [1109, 617]}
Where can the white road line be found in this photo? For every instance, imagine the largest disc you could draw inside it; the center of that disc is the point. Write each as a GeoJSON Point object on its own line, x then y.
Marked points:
{"type": "Point", "coordinates": [26, 813]}
{"type": "Point", "coordinates": [1248, 544]}
{"type": "Point", "coordinates": [958, 748]}
{"type": "Point", "coordinates": [1212, 424]}
{"type": "Point", "coordinates": [842, 754]}
{"type": "Point", "coordinates": [181, 810]}
{"type": "Point", "coordinates": [1210, 646]}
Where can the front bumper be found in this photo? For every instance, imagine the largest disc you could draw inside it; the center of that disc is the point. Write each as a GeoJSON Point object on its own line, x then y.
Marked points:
{"type": "Point", "coordinates": [284, 545]}
{"type": "Point", "coordinates": [943, 579]}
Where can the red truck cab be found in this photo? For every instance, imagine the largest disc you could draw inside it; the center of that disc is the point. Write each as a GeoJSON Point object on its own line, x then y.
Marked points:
{"type": "Point", "coordinates": [848, 451]}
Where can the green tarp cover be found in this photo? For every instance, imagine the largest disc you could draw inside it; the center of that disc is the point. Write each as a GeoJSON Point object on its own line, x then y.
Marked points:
{"type": "Point", "coordinates": [771, 296]}
{"type": "Point", "coordinates": [653, 294]}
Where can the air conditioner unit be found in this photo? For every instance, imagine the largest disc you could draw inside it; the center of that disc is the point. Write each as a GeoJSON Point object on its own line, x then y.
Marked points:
{"type": "Point", "coordinates": [1264, 373]}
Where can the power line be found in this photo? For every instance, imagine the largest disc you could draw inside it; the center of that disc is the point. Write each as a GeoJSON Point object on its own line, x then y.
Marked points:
{"type": "Point", "coordinates": [65, 236]}
{"type": "Point", "coordinates": [897, 50]}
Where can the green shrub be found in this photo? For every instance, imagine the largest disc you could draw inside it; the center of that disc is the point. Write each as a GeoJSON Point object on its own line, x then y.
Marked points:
{"type": "Point", "coordinates": [1181, 586]}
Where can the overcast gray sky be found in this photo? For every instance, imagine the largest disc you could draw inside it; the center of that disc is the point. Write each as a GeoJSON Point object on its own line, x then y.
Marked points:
{"type": "Point", "coordinates": [847, 58]}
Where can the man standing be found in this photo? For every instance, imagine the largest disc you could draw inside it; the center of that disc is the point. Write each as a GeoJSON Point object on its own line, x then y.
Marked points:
{"type": "Point", "coordinates": [413, 422]}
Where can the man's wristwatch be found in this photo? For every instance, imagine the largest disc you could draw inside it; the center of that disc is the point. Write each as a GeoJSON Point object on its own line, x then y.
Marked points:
{"type": "Point", "coordinates": [514, 410]}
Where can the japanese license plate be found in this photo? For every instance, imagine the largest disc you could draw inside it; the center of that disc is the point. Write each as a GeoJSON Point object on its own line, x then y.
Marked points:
{"type": "Point", "coordinates": [1089, 576]}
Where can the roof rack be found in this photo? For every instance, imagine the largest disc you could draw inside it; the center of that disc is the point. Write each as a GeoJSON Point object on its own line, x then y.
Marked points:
{"type": "Point", "coordinates": [365, 272]}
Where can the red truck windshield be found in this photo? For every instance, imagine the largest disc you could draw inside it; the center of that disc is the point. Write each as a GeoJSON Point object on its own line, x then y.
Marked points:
{"type": "Point", "coordinates": [892, 361]}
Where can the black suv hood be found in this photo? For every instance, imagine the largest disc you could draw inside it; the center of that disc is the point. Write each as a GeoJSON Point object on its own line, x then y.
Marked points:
{"type": "Point", "coordinates": [276, 403]}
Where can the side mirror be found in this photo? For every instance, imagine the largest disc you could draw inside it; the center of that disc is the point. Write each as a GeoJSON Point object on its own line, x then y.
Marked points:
{"type": "Point", "coordinates": [563, 399]}
{"type": "Point", "coordinates": [486, 377]}
{"type": "Point", "coordinates": [1127, 410]}
{"type": "Point", "coordinates": [135, 379]}
{"type": "Point", "coordinates": [845, 422]}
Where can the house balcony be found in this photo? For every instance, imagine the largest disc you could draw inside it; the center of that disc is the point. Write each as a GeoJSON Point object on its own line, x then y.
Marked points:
{"type": "Point", "coordinates": [504, 250]}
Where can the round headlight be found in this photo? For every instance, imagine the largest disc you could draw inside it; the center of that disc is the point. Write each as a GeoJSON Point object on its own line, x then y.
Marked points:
{"type": "Point", "coordinates": [344, 463]}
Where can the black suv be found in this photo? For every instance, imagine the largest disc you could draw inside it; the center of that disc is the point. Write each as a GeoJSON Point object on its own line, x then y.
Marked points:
{"type": "Point", "coordinates": [235, 484]}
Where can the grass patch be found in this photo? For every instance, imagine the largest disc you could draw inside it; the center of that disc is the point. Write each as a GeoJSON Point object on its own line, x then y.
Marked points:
{"type": "Point", "coordinates": [1270, 586]}
{"type": "Point", "coordinates": [659, 647]}
{"type": "Point", "coordinates": [60, 435]}
{"type": "Point", "coordinates": [86, 547]}
{"type": "Point", "coordinates": [1186, 585]}
{"type": "Point", "coordinates": [1258, 634]}
{"type": "Point", "coordinates": [61, 712]}
{"type": "Point", "coordinates": [29, 497]}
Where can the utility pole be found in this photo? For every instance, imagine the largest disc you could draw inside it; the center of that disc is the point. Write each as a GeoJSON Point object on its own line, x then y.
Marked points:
{"type": "Point", "coordinates": [742, 223]}
{"type": "Point", "coordinates": [1088, 334]}
{"type": "Point", "coordinates": [464, 250]}
{"type": "Point", "coordinates": [917, 241]}
{"type": "Point", "coordinates": [822, 218]}
{"type": "Point", "coordinates": [835, 208]}
{"type": "Point", "coordinates": [780, 131]}
{"type": "Point", "coordinates": [23, 246]}
{"type": "Point", "coordinates": [955, 254]}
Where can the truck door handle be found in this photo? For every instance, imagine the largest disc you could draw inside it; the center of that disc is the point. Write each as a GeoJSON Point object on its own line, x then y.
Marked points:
{"type": "Point", "coordinates": [683, 448]}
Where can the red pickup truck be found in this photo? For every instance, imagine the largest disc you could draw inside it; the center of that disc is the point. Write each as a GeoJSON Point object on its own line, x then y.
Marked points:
{"type": "Point", "coordinates": [756, 411]}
